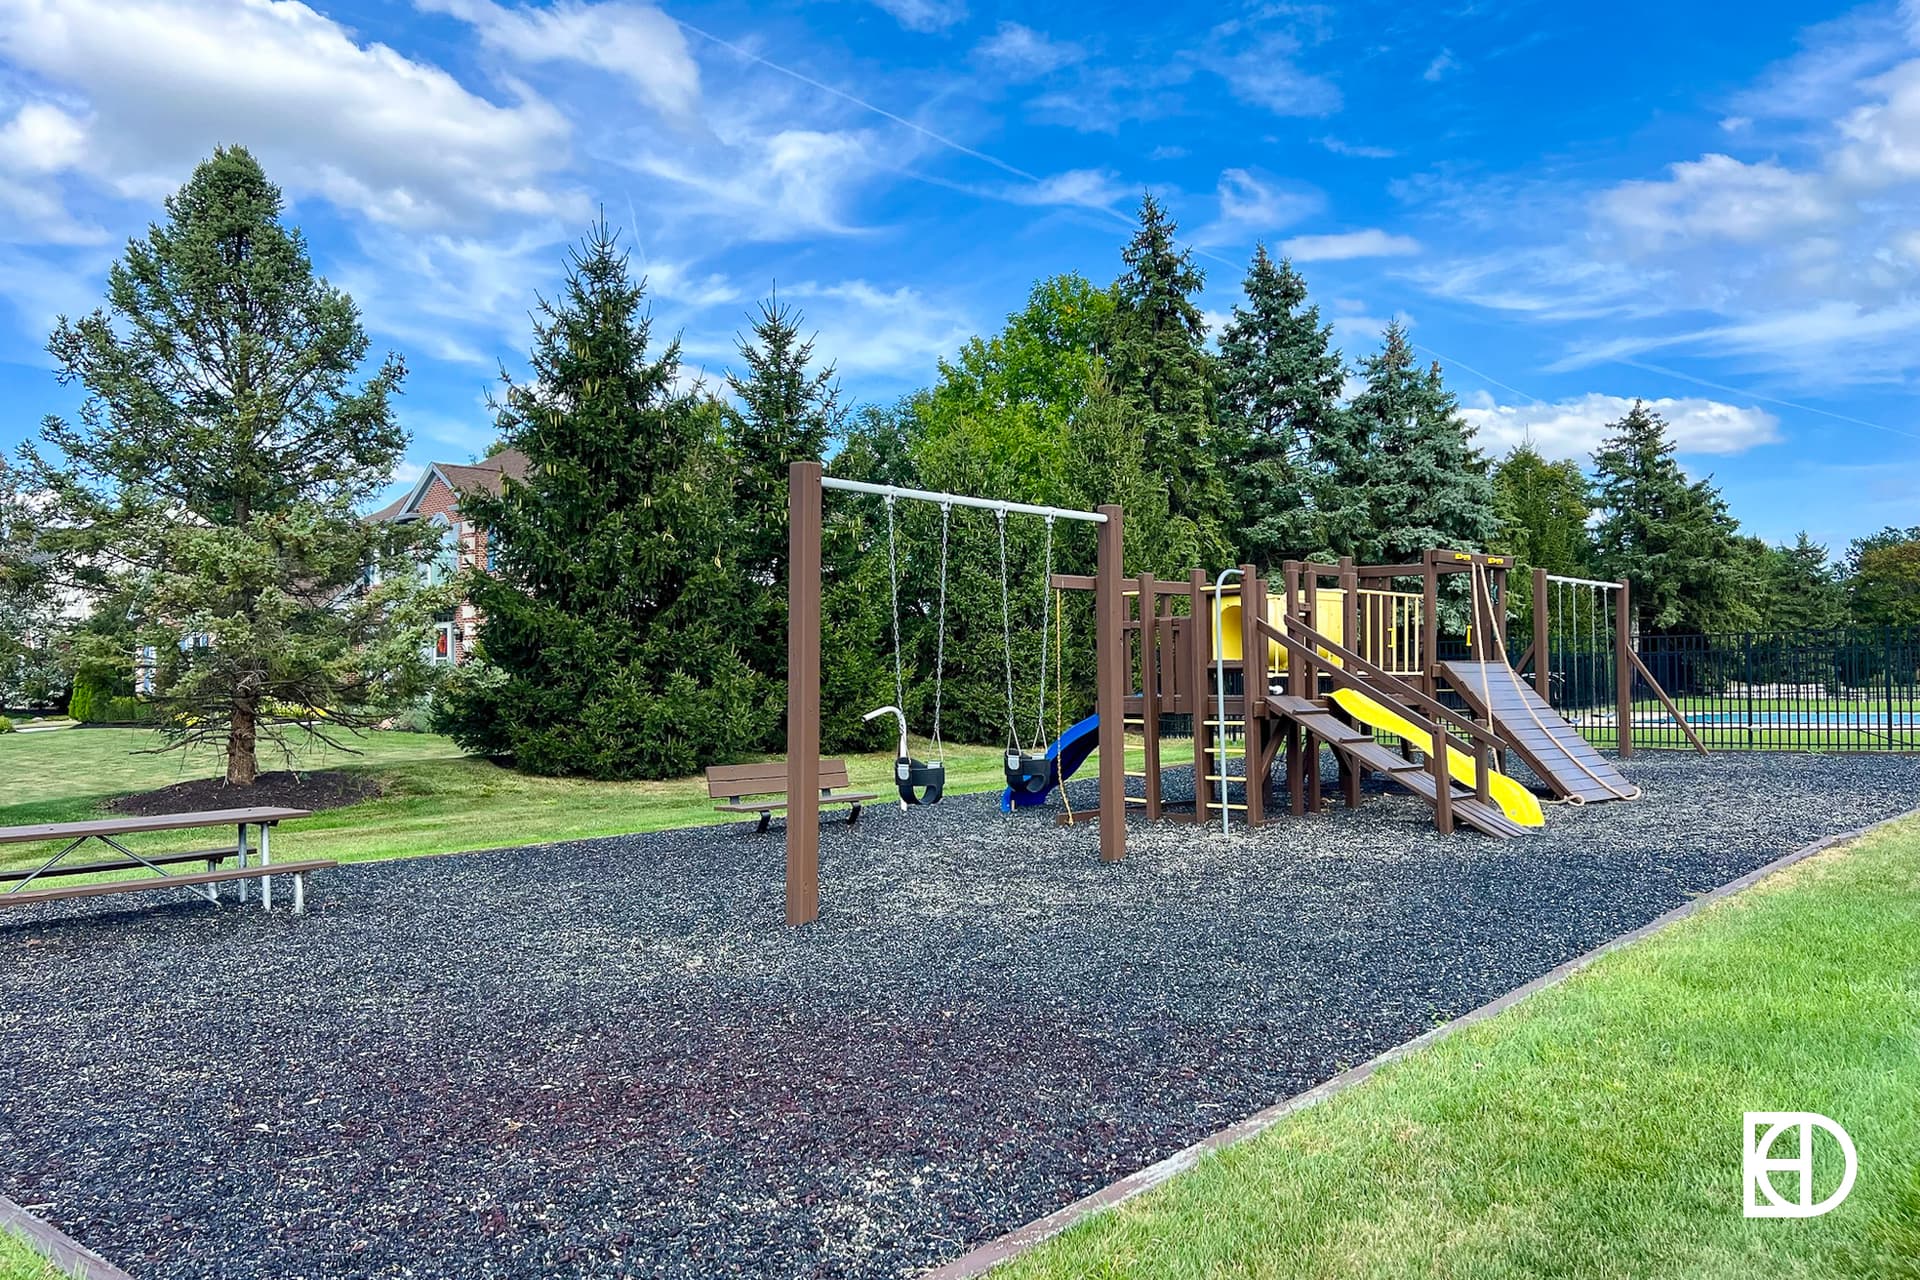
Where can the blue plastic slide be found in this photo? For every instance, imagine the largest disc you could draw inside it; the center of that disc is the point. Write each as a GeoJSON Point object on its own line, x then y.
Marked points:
{"type": "Point", "coordinates": [1067, 754]}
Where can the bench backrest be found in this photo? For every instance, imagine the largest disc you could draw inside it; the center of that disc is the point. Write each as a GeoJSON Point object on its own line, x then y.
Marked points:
{"type": "Point", "coordinates": [737, 781]}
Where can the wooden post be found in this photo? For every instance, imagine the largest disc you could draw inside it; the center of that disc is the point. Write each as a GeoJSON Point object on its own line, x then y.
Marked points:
{"type": "Point", "coordinates": [803, 692]}
{"type": "Point", "coordinates": [1623, 669]}
{"type": "Point", "coordinates": [1200, 688]}
{"type": "Point", "coordinates": [1150, 691]}
{"type": "Point", "coordinates": [1500, 615]}
{"type": "Point", "coordinates": [1442, 780]}
{"type": "Point", "coordinates": [1429, 623]}
{"type": "Point", "coordinates": [1350, 615]}
{"type": "Point", "coordinates": [1297, 738]}
{"type": "Point", "coordinates": [1542, 638]}
{"type": "Point", "coordinates": [1253, 690]}
{"type": "Point", "coordinates": [1110, 612]}
{"type": "Point", "coordinates": [1310, 745]}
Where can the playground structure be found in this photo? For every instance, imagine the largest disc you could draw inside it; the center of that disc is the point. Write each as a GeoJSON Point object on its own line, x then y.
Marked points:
{"type": "Point", "coordinates": [1334, 656]}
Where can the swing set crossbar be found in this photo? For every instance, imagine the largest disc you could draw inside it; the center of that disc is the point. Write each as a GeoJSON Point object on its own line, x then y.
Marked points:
{"type": "Point", "coordinates": [960, 500]}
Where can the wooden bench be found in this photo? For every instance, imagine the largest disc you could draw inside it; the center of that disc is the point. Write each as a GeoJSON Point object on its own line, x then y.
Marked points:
{"type": "Point", "coordinates": [762, 789]}
{"type": "Point", "coordinates": [205, 884]}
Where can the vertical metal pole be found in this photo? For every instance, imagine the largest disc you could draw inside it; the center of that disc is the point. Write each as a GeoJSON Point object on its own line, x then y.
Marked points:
{"type": "Point", "coordinates": [1253, 690]}
{"type": "Point", "coordinates": [803, 693]}
{"type": "Point", "coordinates": [1110, 608]}
{"type": "Point", "coordinates": [240, 851]}
{"type": "Point", "coordinates": [1623, 664]}
{"type": "Point", "coordinates": [266, 860]}
{"type": "Point", "coordinates": [1542, 637]}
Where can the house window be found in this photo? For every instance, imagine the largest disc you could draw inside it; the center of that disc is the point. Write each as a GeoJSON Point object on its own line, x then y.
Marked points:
{"type": "Point", "coordinates": [493, 558]}
{"type": "Point", "coordinates": [446, 556]}
{"type": "Point", "coordinates": [440, 650]}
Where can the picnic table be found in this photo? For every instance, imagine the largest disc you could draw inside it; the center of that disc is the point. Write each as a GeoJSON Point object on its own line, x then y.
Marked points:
{"type": "Point", "coordinates": [205, 884]}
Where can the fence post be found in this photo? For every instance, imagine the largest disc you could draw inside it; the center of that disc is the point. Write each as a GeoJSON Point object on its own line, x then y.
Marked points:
{"type": "Point", "coordinates": [1110, 683]}
{"type": "Point", "coordinates": [1623, 670]}
{"type": "Point", "coordinates": [803, 692]}
{"type": "Point", "coordinates": [1888, 646]}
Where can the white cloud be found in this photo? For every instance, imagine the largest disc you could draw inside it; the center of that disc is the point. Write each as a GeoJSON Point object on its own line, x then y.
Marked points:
{"type": "Point", "coordinates": [41, 138]}
{"type": "Point", "coordinates": [1022, 53]}
{"type": "Point", "coordinates": [925, 15]}
{"type": "Point", "coordinates": [1717, 197]}
{"type": "Point", "coordinates": [897, 334]}
{"type": "Point", "coordinates": [1341, 246]}
{"type": "Point", "coordinates": [1575, 428]}
{"type": "Point", "coordinates": [783, 185]}
{"type": "Point", "coordinates": [1442, 63]}
{"type": "Point", "coordinates": [636, 42]}
{"type": "Point", "coordinates": [1088, 188]}
{"type": "Point", "coordinates": [1357, 150]}
{"type": "Point", "coordinates": [165, 81]}
{"type": "Point", "coordinates": [1252, 206]}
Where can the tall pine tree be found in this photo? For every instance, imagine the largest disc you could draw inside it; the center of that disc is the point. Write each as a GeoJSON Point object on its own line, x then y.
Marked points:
{"type": "Point", "coordinates": [786, 409]}
{"type": "Point", "coordinates": [1669, 536]}
{"type": "Point", "coordinates": [1157, 363]}
{"type": "Point", "coordinates": [1420, 478]}
{"type": "Point", "coordinates": [1279, 399]}
{"type": "Point", "coordinates": [606, 647]}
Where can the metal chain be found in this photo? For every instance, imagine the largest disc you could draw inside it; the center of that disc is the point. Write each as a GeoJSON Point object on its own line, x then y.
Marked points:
{"type": "Point", "coordinates": [893, 581]}
{"type": "Point", "coordinates": [940, 635]}
{"type": "Point", "coordinates": [1006, 628]}
{"type": "Point", "coordinates": [1046, 599]}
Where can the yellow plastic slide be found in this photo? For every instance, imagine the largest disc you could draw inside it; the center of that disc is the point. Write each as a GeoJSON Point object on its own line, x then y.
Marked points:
{"type": "Point", "coordinates": [1520, 804]}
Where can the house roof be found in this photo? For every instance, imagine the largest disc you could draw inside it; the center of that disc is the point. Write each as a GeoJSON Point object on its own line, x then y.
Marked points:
{"type": "Point", "coordinates": [485, 476]}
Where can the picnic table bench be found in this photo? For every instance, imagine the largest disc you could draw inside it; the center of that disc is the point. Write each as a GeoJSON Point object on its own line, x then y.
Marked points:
{"type": "Point", "coordinates": [205, 884]}
{"type": "Point", "coordinates": [762, 789]}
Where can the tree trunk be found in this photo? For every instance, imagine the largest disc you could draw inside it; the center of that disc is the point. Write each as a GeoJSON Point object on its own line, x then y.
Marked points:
{"type": "Point", "coordinates": [242, 765]}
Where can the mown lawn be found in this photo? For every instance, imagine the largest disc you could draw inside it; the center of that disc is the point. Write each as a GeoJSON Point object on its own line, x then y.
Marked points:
{"type": "Point", "coordinates": [1596, 1130]}
{"type": "Point", "coordinates": [435, 800]}
{"type": "Point", "coordinates": [20, 1262]}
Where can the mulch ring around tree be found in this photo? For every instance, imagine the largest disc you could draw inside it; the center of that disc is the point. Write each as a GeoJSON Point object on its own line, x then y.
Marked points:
{"type": "Point", "coordinates": [282, 789]}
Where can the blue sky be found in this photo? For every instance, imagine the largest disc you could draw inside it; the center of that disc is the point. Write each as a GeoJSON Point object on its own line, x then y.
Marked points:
{"type": "Point", "coordinates": [1569, 208]}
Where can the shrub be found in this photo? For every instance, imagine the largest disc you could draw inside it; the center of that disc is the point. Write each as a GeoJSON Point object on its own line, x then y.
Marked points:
{"type": "Point", "coordinates": [6, 725]}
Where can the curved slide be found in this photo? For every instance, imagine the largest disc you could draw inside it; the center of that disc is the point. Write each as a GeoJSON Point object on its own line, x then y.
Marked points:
{"type": "Point", "coordinates": [1518, 803]}
{"type": "Point", "coordinates": [1067, 753]}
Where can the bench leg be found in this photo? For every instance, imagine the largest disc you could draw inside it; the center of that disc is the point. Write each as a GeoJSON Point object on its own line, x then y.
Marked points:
{"type": "Point", "coordinates": [853, 816]}
{"type": "Point", "coordinates": [766, 820]}
{"type": "Point", "coordinates": [240, 852]}
{"type": "Point", "coordinates": [300, 894]}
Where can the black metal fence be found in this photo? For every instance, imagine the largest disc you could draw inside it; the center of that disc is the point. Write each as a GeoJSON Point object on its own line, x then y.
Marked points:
{"type": "Point", "coordinates": [1846, 689]}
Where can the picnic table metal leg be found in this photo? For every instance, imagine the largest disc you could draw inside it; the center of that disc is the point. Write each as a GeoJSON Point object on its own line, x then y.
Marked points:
{"type": "Point", "coordinates": [300, 894]}
{"type": "Point", "coordinates": [240, 850]}
{"type": "Point", "coordinates": [48, 865]}
{"type": "Point", "coordinates": [266, 860]}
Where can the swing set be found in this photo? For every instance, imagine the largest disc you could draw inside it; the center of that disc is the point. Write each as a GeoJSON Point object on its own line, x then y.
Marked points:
{"type": "Point", "coordinates": [1028, 768]}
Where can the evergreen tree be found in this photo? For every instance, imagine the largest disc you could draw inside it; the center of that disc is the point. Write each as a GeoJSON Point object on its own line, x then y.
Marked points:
{"type": "Point", "coordinates": [1544, 508]}
{"type": "Point", "coordinates": [1671, 537]}
{"type": "Point", "coordinates": [216, 466]}
{"type": "Point", "coordinates": [787, 410]}
{"type": "Point", "coordinates": [607, 642]}
{"type": "Point", "coordinates": [1280, 386]}
{"type": "Point", "coordinates": [1159, 366]}
{"type": "Point", "coordinates": [1421, 479]}
{"type": "Point", "coordinates": [1803, 588]}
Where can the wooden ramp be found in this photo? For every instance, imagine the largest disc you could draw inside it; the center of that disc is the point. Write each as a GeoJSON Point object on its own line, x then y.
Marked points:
{"type": "Point", "coordinates": [1364, 754]}
{"type": "Point", "coordinates": [1552, 748]}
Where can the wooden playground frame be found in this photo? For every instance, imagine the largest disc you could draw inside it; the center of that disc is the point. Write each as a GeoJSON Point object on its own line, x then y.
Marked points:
{"type": "Point", "coordinates": [1152, 661]}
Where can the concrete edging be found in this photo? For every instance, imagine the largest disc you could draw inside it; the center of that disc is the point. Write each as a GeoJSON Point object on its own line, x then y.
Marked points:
{"type": "Point", "coordinates": [983, 1258]}
{"type": "Point", "coordinates": [66, 1253]}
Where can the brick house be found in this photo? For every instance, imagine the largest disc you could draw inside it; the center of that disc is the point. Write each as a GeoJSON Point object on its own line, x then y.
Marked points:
{"type": "Point", "coordinates": [435, 497]}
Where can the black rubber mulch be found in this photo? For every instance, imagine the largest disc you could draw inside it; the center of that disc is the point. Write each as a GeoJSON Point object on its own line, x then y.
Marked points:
{"type": "Point", "coordinates": [610, 1059]}
{"type": "Point", "coordinates": [321, 789]}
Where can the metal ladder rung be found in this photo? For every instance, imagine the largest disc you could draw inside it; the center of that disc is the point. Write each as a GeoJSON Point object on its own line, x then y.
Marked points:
{"type": "Point", "coordinates": [1225, 777]}
{"type": "Point", "coordinates": [1214, 804]}
{"type": "Point", "coordinates": [1224, 724]}
{"type": "Point", "coordinates": [1130, 774]}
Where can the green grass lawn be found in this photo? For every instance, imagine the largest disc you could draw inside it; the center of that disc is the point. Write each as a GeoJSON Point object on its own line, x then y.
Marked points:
{"type": "Point", "coordinates": [436, 800]}
{"type": "Point", "coordinates": [18, 1261]}
{"type": "Point", "coordinates": [1596, 1129]}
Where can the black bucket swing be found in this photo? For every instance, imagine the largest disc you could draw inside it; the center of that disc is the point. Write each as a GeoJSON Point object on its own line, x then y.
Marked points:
{"type": "Point", "coordinates": [918, 782]}
{"type": "Point", "coordinates": [1029, 771]}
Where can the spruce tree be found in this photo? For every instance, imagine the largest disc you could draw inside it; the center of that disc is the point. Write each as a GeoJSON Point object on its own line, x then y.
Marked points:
{"type": "Point", "coordinates": [1422, 481]}
{"type": "Point", "coordinates": [1279, 400]}
{"type": "Point", "coordinates": [1158, 364]}
{"type": "Point", "coordinates": [786, 409]}
{"type": "Point", "coordinates": [1804, 591]}
{"type": "Point", "coordinates": [1671, 537]}
{"type": "Point", "coordinates": [607, 640]}
{"type": "Point", "coordinates": [229, 433]}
